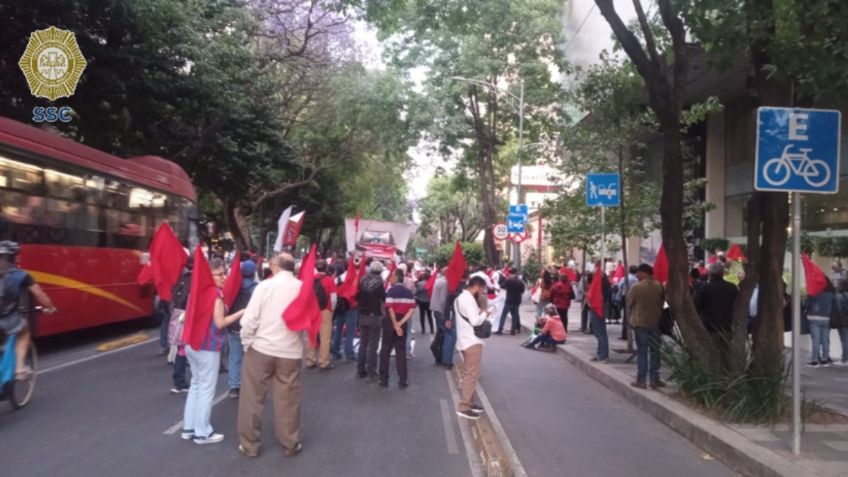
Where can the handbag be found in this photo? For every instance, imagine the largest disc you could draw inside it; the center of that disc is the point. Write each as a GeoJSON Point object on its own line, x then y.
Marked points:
{"type": "Point", "coordinates": [175, 327]}
{"type": "Point", "coordinates": [482, 331]}
{"type": "Point", "coordinates": [536, 296]}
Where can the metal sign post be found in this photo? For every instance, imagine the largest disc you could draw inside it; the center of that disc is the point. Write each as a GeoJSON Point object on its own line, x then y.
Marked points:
{"type": "Point", "coordinates": [797, 151]}
{"type": "Point", "coordinates": [603, 190]}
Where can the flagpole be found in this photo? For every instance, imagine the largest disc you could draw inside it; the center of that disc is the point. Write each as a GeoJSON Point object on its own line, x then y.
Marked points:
{"type": "Point", "coordinates": [796, 323]}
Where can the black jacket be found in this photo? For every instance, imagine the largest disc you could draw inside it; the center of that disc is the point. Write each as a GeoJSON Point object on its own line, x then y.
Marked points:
{"type": "Point", "coordinates": [514, 290]}
{"type": "Point", "coordinates": [714, 302]}
{"type": "Point", "coordinates": [372, 295]}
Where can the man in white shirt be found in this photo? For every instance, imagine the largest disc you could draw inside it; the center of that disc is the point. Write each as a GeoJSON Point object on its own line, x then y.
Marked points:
{"type": "Point", "coordinates": [273, 353]}
{"type": "Point", "coordinates": [469, 315]}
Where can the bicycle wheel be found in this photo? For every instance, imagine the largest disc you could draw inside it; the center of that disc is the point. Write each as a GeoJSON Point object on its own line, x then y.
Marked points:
{"type": "Point", "coordinates": [817, 173]}
{"type": "Point", "coordinates": [776, 172]}
{"type": "Point", "coordinates": [22, 390]}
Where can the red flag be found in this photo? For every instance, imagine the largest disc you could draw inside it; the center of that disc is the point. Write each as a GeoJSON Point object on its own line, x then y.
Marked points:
{"type": "Point", "coordinates": [816, 280]}
{"type": "Point", "coordinates": [595, 295]}
{"type": "Point", "coordinates": [304, 313]}
{"type": "Point", "coordinates": [661, 266]}
{"type": "Point", "coordinates": [350, 286]}
{"type": "Point", "coordinates": [712, 260]}
{"type": "Point", "coordinates": [167, 259]}
{"type": "Point", "coordinates": [619, 273]}
{"type": "Point", "coordinates": [233, 284]}
{"type": "Point", "coordinates": [456, 268]}
{"type": "Point", "coordinates": [431, 282]}
{"type": "Point", "coordinates": [145, 275]}
{"type": "Point", "coordinates": [293, 229]}
{"type": "Point", "coordinates": [356, 224]}
{"type": "Point", "coordinates": [389, 276]}
{"type": "Point", "coordinates": [201, 302]}
{"type": "Point", "coordinates": [735, 253]}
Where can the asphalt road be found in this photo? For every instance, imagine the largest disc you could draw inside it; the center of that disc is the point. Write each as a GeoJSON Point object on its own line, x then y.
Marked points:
{"type": "Point", "coordinates": [109, 415]}
{"type": "Point", "coordinates": [561, 422]}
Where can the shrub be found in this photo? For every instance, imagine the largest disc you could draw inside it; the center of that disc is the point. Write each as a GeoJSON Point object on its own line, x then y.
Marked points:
{"type": "Point", "coordinates": [743, 398]}
{"type": "Point", "coordinates": [473, 253]}
{"type": "Point", "coordinates": [713, 244]}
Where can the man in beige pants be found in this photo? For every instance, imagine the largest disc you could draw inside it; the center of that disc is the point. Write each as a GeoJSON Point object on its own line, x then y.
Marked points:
{"type": "Point", "coordinates": [467, 315]}
{"type": "Point", "coordinates": [273, 358]}
{"type": "Point", "coordinates": [325, 335]}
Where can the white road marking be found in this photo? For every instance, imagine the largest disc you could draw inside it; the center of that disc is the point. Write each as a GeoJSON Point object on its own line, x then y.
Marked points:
{"type": "Point", "coordinates": [517, 468]}
{"type": "Point", "coordinates": [450, 437]}
{"type": "Point", "coordinates": [473, 459]}
{"type": "Point", "coordinates": [93, 357]}
{"type": "Point", "coordinates": [178, 426]}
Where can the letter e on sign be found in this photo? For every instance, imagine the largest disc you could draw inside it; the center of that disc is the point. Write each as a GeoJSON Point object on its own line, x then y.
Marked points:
{"type": "Point", "coordinates": [797, 128]}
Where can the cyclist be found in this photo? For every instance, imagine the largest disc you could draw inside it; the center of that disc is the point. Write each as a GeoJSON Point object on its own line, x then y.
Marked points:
{"type": "Point", "coordinates": [13, 280]}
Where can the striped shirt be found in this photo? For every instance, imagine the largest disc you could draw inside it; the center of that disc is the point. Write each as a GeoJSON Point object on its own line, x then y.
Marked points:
{"type": "Point", "coordinates": [215, 338]}
{"type": "Point", "coordinates": [400, 299]}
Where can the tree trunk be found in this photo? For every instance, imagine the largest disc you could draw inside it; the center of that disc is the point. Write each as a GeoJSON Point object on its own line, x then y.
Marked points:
{"type": "Point", "coordinates": [236, 224]}
{"type": "Point", "coordinates": [739, 340]}
{"type": "Point", "coordinates": [671, 211]}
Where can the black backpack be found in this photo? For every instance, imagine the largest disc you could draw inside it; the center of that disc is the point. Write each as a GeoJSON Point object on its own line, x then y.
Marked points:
{"type": "Point", "coordinates": [179, 294]}
{"type": "Point", "coordinates": [320, 293]}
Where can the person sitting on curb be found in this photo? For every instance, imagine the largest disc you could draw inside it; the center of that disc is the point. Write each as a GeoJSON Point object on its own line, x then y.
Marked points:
{"type": "Point", "coordinates": [553, 332]}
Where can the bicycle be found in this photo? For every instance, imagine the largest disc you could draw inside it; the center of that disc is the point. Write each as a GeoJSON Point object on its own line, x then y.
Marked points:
{"type": "Point", "coordinates": [18, 391]}
{"type": "Point", "coordinates": [778, 170]}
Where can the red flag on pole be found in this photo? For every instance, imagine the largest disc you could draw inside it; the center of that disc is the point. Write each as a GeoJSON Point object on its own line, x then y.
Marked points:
{"type": "Point", "coordinates": [735, 253]}
{"type": "Point", "coordinates": [389, 276]}
{"type": "Point", "coordinates": [293, 229]}
{"type": "Point", "coordinates": [712, 260]}
{"type": "Point", "coordinates": [619, 273]}
{"type": "Point", "coordinates": [456, 268]}
{"type": "Point", "coordinates": [304, 313]}
{"type": "Point", "coordinates": [431, 282]}
{"type": "Point", "coordinates": [816, 279]}
{"type": "Point", "coordinates": [233, 284]}
{"type": "Point", "coordinates": [350, 286]}
{"type": "Point", "coordinates": [201, 302]}
{"type": "Point", "coordinates": [595, 295]}
{"type": "Point", "coordinates": [167, 259]}
{"type": "Point", "coordinates": [661, 266]}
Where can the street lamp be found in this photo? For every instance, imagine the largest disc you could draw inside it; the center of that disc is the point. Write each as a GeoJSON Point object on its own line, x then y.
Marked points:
{"type": "Point", "coordinates": [520, 99]}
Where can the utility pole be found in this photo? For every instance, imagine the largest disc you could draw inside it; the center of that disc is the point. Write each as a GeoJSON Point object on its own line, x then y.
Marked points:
{"type": "Point", "coordinates": [517, 257]}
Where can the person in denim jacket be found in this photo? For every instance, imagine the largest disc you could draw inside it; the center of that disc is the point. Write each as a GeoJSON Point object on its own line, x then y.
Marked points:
{"type": "Point", "coordinates": [819, 308]}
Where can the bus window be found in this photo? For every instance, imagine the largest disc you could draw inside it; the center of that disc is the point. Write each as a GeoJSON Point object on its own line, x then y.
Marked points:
{"type": "Point", "coordinates": [20, 176]}
{"type": "Point", "coordinates": [64, 186]}
{"type": "Point", "coordinates": [20, 208]}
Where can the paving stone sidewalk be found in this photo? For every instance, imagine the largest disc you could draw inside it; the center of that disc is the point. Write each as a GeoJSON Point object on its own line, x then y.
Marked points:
{"type": "Point", "coordinates": [825, 447]}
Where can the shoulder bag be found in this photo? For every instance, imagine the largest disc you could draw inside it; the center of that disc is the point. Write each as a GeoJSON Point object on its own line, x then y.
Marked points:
{"type": "Point", "coordinates": [482, 331]}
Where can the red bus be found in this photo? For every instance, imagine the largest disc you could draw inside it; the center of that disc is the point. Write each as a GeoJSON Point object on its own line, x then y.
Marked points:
{"type": "Point", "coordinates": [84, 219]}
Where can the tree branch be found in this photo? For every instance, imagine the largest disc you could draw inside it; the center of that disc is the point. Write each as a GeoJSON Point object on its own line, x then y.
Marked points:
{"type": "Point", "coordinates": [288, 187]}
{"type": "Point", "coordinates": [628, 40]}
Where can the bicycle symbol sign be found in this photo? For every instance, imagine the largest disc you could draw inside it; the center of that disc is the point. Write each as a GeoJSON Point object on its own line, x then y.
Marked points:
{"type": "Point", "coordinates": [797, 150]}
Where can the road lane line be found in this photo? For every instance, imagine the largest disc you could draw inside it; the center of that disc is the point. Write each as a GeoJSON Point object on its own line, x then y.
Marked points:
{"type": "Point", "coordinates": [89, 358]}
{"type": "Point", "coordinates": [122, 342]}
{"type": "Point", "coordinates": [176, 427]}
{"type": "Point", "coordinates": [450, 437]}
{"type": "Point", "coordinates": [467, 441]}
{"type": "Point", "coordinates": [517, 468]}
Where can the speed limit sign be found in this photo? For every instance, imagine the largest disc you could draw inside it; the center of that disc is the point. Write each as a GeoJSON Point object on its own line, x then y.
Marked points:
{"type": "Point", "coordinates": [501, 232]}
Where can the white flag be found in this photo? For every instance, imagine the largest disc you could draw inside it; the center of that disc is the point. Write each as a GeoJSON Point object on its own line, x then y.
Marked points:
{"type": "Point", "coordinates": [282, 224]}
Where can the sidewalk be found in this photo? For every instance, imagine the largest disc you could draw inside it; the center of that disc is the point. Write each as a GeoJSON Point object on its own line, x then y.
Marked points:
{"type": "Point", "coordinates": [750, 449]}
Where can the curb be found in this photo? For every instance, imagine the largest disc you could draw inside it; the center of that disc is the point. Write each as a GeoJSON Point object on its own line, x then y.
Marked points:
{"type": "Point", "coordinates": [725, 444]}
{"type": "Point", "coordinates": [494, 459]}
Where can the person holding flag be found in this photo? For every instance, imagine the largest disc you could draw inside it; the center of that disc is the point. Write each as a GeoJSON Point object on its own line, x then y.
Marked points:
{"type": "Point", "coordinates": [347, 310]}
{"type": "Point", "coordinates": [247, 283]}
{"type": "Point", "coordinates": [819, 306]}
{"type": "Point", "coordinates": [273, 354]}
{"type": "Point", "coordinates": [204, 334]}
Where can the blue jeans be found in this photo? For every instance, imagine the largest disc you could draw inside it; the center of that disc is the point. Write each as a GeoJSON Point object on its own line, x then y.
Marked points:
{"type": "Point", "coordinates": [234, 363]}
{"type": "Point", "coordinates": [163, 310]}
{"type": "Point", "coordinates": [647, 341]}
{"type": "Point", "coordinates": [450, 337]}
{"type": "Point", "coordinates": [516, 318]}
{"type": "Point", "coordinates": [820, 336]}
{"type": "Point", "coordinates": [346, 320]}
{"type": "Point", "coordinates": [180, 372]}
{"type": "Point", "coordinates": [843, 337]}
{"type": "Point", "coordinates": [599, 329]}
{"type": "Point", "coordinates": [545, 339]}
{"type": "Point", "coordinates": [201, 392]}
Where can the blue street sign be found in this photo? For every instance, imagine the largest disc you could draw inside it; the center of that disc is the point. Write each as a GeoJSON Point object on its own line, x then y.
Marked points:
{"type": "Point", "coordinates": [515, 223]}
{"type": "Point", "coordinates": [603, 189]}
{"type": "Point", "coordinates": [797, 150]}
{"type": "Point", "coordinates": [520, 209]}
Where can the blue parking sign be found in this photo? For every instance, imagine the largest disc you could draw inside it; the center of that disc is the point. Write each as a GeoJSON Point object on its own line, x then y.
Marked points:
{"type": "Point", "coordinates": [603, 189]}
{"type": "Point", "coordinates": [797, 150]}
{"type": "Point", "coordinates": [515, 223]}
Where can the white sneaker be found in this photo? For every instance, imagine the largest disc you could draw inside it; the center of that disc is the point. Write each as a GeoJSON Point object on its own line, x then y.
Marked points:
{"type": "Point", "coordinates": [187, 435]}
{"type": "Point", "coordinates": [840, 363]}
{"type": "Point", "coordinates": [214, 438]}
